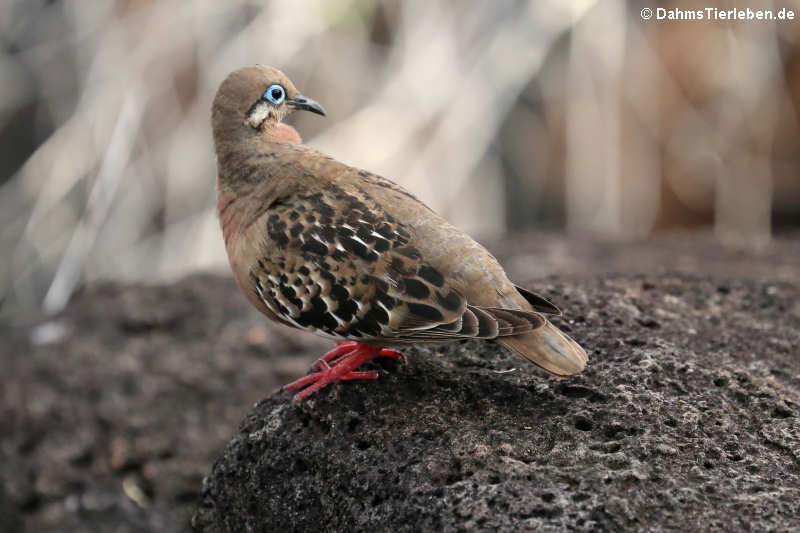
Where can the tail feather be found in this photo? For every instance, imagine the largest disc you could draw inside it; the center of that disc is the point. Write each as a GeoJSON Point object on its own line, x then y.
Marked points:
{"type": "Point", "coordinates": [550, 348]}
{"type": "Point", "coordinates": [515, 321]}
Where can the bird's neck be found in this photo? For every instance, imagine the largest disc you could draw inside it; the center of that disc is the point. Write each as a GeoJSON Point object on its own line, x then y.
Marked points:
{"type": "Point", "coordinates": [241, 170]}
{"type": "Point", "coordinates": [237, 160]}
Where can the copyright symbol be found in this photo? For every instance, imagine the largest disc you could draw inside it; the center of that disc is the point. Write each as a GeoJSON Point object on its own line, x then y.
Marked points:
{"type": "Point", "coordinates": [647, 13]}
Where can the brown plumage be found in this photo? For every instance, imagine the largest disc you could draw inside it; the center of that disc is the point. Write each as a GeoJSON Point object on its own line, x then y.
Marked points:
{"type": "Point", "coordinates": [349, 255]}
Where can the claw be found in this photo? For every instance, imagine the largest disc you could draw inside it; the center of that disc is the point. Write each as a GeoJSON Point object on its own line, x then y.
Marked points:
{"type": "Point", "coordinates": [394, 354]}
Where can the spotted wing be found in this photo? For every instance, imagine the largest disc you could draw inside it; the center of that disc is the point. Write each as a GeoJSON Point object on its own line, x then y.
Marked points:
{"type": "Point", "coordinates": [337, 265]}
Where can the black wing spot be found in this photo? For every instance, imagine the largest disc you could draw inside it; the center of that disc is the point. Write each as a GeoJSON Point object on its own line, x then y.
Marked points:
{"type": "Point", "coordinates": [276, 229]}
{"type": "Point", "coordinates": [326, 275]}
{"type": "Point", "coordinates": [329, 322]}
{"type": "Point", "coordinates": [328, 233]}
{"type": "Point", "coordinates": [318, 304]}
{"type": "Point", "coordinates": [386, 231]}
{"type": "Point", "coordinates": [369, 325]}
{"type": "Point", "coordinates": [296, 230]}
{"type": "Point", "coordinates": [415, 288]}
{"type": "Point", "coordinates": [431, 275]}
{"type": "Point", "coordinates": [425, 311]}
{"type": "Point", "coordinates": [398, 265]}
{"type": "Point", "coordinates": [318, 316]}
{"type": "Point", "coordinates": [289, 293]}
{"type": "Point", "coordinates": [347, 309]}
{"type": "Point", "coordinates": [339, 293]}
{"type": "Point", "coordinates": [304, 270]}
{"type": "Point", "coordinates": [365, 234]}
{"type": "Point", "coordinates": [451, 302]}
{"type": "Point", "coordinates": [344, 233]}
{"type": "Point", "coordinates": [280, 239]}
{"type": "Point", "coordinates": [381, 245]}
{"type": "Point", "coordinates": [387, 301]}
{"type": "Point", "coordinates": [314, 246]}
{"type": "Point", "coordinates": [359, 249]}
{"type": "Point", "coordinates": [373, 319]}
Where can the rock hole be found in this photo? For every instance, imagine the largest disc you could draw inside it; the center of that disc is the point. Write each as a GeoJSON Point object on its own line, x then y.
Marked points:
{"type": "Point", "coordinates": [545, 512]}
{"type": "Point", "coordinates": [614, 432]}
{"type": "Point", "coordinates": [781, 412]}
{"type": "Point", "coordinates": [548, 497]}
{"type": "Point", "coordinates": [582, 423]}
{"type": "Point", "coordinates": [300, 465]}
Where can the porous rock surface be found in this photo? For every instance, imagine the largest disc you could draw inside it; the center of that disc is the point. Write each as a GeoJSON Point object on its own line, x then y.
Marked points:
{"type": "Point", "coordinates": [687, 418]}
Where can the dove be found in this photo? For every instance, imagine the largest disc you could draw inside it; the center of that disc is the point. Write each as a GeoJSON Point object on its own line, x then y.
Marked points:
{"type": "Point", "coordinates": [346, 254]}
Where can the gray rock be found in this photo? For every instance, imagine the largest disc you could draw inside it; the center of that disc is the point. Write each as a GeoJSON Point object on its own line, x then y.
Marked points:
{"type": "Point", "coordinates": [686, 419]}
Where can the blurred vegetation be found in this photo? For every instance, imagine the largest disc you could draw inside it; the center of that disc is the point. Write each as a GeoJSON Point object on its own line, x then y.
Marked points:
{"type": "Point", "coordinates": [503, 116]}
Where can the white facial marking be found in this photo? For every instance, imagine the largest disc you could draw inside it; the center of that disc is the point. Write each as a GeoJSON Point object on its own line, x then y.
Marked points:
{"type": "Point", "coordinates": [258, 115]}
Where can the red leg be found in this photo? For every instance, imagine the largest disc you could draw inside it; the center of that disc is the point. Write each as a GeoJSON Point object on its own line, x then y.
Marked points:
{"type": "Point", "coordinates": [339, 364]}
{"type": "Point", "coordinates": [342, 348]}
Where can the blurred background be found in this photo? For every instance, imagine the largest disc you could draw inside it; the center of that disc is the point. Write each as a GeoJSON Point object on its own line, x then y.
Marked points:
{"type": "Point", "coordinates": [572, 137]}
{"type": "Point", "coordinates": [506, 117]}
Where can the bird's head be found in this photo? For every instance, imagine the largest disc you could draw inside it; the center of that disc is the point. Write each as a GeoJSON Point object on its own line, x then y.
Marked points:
{"type": "Point", "coordinates": [255, 99]}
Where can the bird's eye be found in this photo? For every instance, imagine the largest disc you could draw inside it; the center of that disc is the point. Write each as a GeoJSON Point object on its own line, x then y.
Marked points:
{"type": "Point", "coordinates": [275, 94]}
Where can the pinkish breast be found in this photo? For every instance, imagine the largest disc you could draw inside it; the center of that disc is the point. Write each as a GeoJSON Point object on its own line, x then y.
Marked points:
{"type": "Point", "coordinates": [284, 133]}
{"type": "Point", "coordinates": [230, 217]}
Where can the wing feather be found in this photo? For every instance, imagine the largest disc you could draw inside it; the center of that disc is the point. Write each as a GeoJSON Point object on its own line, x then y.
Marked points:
{"type": "Point", "coordinates": [334, 263]}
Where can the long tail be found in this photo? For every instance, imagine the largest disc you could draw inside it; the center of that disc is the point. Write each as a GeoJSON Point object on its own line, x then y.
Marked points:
{"type": "Point", "coordinates": [549, 348]}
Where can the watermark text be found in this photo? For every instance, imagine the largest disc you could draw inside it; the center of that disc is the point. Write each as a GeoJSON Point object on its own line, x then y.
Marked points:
{"type": "Point", "coordinates": [717, 14]}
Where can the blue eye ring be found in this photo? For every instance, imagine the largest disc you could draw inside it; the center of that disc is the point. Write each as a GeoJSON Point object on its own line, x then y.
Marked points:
{"type": "Point", "coordinates": [275, 93]}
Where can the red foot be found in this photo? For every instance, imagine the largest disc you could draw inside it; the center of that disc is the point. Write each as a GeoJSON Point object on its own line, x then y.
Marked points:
{"type": "Point", "coordinates": [339, 364]}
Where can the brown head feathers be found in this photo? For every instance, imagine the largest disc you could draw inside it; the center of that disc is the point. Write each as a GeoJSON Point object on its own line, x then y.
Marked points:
{"type": "Point", "coordinates": [252, 101]}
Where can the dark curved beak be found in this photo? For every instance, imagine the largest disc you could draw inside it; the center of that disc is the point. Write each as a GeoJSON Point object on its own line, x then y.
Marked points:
{"type": "Point", "coordinates": [306, 104]}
